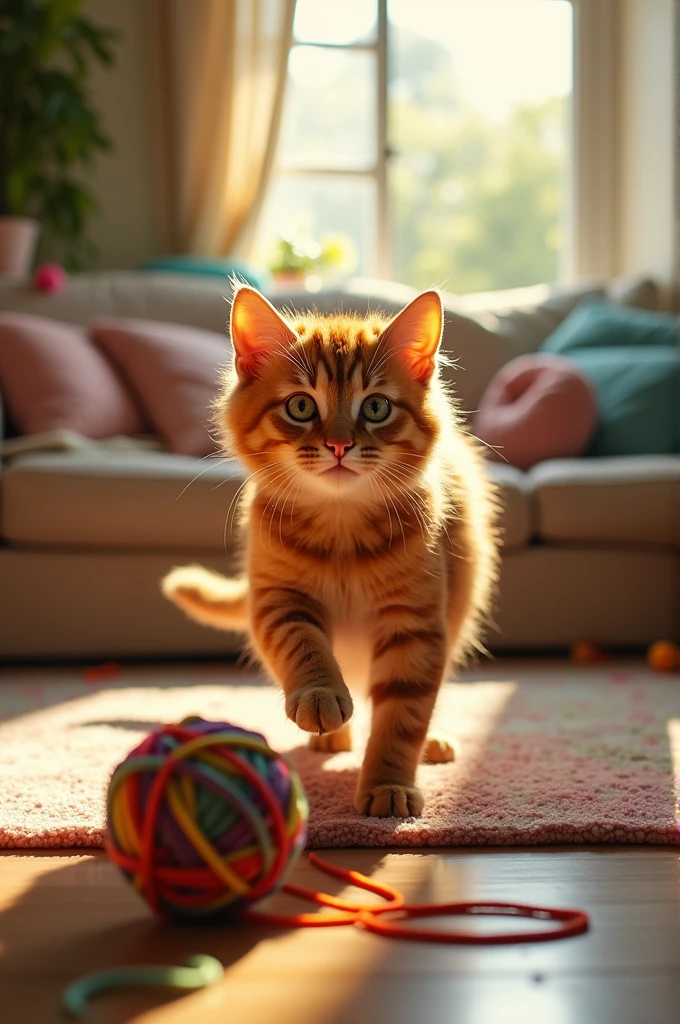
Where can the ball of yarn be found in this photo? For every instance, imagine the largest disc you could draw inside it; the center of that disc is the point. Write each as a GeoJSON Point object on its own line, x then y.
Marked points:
{"type": "Point", "coordinates": [205, 818]}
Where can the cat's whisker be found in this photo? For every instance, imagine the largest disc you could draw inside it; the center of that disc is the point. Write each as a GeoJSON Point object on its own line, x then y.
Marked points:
{"type": "Point", "coordinates": [413, 455]}
{"type": "Point", "coordinates": [492, 447]}
{"type": "Point", "coordinates": [424, 530]}
{"type": "Point", "coordinates": [273, 481]}
{"type": "Point", "coordinates": [279, 481]}
{"type": "Point", "coordinates": [229, 519]}
{"type": "Point", "coordinates": [387, 355]}
{"type": "Point", "coordinates": [420, 518]}
{"type": "Point", "coordinates": [276, 505]}
{"type": "Point", "coordinates": [410, 473]}
{"type": "Point", "coordinates": [283, 509]}
{"type": "Point", "coordinates": [239, 491]}
{"type": "Point", "coordinates": [272, 515]}
{"type": "Point", "coordinates": [377, 367]}
{"type": "Point", "coordinates": [409, 497]}
{"type": "Point", "coordinates": [295, 499]}
{"type": "Point", "coordinates": [401, 525]}
{"type": "Point", "coordinates": [224, 458]}
{"type": "Point", "coordinates": [305, 357]}
{"type": "Point", "coordinates": [375, 484]}
{"type": "Point", "coordinates": [387, 493]}
{"type": "Point", "coordinates": [275, 346]}
{"type": "Point", "coordinates": [219, 458]}
{"type": "Point", "coordinates": [292, 356]}
{"type": "Point", "coordinates": [376, 351]}
{"type": "Point", "coordinates": [405, 482]}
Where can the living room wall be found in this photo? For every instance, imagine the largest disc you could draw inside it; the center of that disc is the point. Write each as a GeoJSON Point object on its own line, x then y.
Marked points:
{"type": "Point", "coordinates": [647, 141]}
{"type": "Point", "coordinates": [125, 230]}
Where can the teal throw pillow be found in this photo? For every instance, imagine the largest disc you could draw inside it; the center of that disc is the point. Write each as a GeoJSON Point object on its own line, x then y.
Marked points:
{"type": "Point", "coordinates": [632, 358]}
{"type": "Point", "coordinates": [594, 324]}
{"type": "Point", "coordinates": [208, 267]}
{"type": "Point", "coordinates": [638, 395]}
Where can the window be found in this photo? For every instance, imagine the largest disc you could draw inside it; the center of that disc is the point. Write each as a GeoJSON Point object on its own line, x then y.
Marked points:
{"type": "Point", "coordinates": [428, 142]}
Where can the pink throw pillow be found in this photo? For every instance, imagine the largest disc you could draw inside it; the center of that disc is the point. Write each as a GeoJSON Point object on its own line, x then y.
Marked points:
{"type": "Point", "coordinates": [537, 407]}
{"type": "Point", "coordinates": [52, 377]}
{"type": "Point", "coordinates": [174, 372]}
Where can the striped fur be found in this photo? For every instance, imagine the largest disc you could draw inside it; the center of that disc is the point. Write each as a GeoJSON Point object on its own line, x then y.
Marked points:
{"type": "Point", "coordinates": [375, 581]}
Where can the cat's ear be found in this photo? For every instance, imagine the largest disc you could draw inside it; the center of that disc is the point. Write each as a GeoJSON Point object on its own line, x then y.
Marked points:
{"type": "Point", "coordinates": [416, 333]}
{"type": "Point", "coordinates": [256, 330]}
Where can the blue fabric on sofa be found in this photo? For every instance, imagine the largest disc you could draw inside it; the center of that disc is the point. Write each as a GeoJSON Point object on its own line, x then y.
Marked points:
{"type": "Point", "coordinates": [632, 357]}
{"type": "Point", "coordinates": [208, 266]}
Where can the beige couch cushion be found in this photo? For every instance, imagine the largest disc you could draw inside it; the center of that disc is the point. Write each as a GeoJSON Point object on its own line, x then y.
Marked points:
{"type": "Point", "coordinates": [517, 525]}
{"type": "Point", "coordinates": [632, 499]}
{"type": "Point", "coordinates": [149, 501]}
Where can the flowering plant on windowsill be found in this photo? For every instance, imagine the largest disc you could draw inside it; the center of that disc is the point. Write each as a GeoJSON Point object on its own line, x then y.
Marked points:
{"type": "Point", "coordinates": [303, 260]}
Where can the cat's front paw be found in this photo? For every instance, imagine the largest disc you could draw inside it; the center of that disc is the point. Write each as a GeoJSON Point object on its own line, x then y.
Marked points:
{"type": "Point", "coordinates": [319, 709]}
{"type": "Point", "coordinates": [390, 801]}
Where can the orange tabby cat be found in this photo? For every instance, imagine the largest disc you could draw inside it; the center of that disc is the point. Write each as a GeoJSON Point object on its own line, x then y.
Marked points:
{"type": "Point", "coordinates": [370, 548]}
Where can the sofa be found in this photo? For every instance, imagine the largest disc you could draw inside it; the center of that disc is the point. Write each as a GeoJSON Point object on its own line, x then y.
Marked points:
{"type": "Point", "coordinates": [591, 546]}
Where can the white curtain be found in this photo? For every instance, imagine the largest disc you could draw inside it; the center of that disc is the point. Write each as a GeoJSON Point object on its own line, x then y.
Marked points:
{"type": "Point", "coordinates": [221, 73]}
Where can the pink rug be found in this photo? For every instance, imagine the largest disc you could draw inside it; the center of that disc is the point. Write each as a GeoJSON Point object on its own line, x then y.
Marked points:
{"type": "Point", "coordinates": [556, 755]}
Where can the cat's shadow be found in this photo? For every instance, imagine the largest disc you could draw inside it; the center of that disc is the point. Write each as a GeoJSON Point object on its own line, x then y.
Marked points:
{"type": "Point", "coordinates": [317, 780]}
{"type": "Point", "coordinates": [305, 759]}
{"type": "Point", "coordinates": [129, 724]}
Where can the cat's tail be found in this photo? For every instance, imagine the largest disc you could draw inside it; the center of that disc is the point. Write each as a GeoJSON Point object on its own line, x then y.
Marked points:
{"type": "Point", "coordinates": [207, 597]}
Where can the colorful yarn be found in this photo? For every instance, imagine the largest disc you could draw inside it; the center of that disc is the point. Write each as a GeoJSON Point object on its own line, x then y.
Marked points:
{"type": "Point", "coordinates": [373, 917]}
{"type": "Point", "coordinates": [198, 972]}
{"type": "Point", "coordinates": [205, 818]}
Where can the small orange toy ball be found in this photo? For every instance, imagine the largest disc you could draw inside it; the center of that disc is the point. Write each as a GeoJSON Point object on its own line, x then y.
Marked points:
{"type": "Point", "coordinates": [663, 656]}
{"type": "Point", "coordinates": [586, 653]}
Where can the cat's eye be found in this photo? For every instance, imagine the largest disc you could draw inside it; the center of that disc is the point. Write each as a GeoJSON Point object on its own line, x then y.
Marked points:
{"type": "Point", "coordinates": [375, 408]}
{"type": "Point", "coordinates": [301, 408]}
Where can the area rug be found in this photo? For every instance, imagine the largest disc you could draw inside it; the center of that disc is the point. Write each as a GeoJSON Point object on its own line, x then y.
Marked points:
{"type": "Point", "coordinates": [548, 756]}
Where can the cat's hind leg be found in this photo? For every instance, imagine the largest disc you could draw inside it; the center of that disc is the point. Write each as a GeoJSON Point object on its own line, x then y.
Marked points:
{"type": "Point", "coordinates": [332, 742]}
{"type": "Point", "coordinates": [438, 751]}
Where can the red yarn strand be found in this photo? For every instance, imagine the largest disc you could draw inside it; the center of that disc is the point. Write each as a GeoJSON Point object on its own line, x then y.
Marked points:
{"type": "Point", "coordinates": [371, 917]}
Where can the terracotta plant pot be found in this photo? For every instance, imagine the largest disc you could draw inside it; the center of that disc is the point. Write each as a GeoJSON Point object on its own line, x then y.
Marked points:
{"type": "Point", "coordinates": [18, 238]}
{"type": "Point", "coordinates": [289, 278]}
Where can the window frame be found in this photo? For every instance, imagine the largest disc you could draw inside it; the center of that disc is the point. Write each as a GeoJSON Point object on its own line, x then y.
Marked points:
{"type": "Point", "coordinates": [590, 214]}
{"type": "Point", "coordinates": [378, 171]}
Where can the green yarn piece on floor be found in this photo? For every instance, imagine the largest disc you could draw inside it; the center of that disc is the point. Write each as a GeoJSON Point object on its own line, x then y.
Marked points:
{"type": "Point", "coordinates": [199, 972]}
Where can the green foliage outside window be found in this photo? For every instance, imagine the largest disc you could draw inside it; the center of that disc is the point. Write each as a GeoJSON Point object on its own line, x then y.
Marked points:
{"type": "Point", "coordinates": [478, 206]}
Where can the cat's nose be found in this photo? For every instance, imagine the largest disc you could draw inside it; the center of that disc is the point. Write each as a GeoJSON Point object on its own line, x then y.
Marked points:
{"type": "Point", "coordinates": [339, 448]}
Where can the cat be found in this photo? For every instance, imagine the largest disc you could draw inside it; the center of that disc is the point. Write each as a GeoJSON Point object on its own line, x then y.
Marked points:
{"type": "Point", "coordinates": [369, 527]}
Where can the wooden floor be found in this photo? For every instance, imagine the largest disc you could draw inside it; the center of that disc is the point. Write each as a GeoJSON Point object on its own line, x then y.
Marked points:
{"type": "Point", "coordinates": [65, 915]}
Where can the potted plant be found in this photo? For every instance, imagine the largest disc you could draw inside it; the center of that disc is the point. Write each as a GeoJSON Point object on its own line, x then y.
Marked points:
{"type": "Point", "coordinates": [49, 129]}
{"type": "Point", "coordinates": [300, 259]}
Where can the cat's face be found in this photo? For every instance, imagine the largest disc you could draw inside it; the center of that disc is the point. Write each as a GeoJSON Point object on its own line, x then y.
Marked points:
{"type": "Point", "coordinates": [332, 406]}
